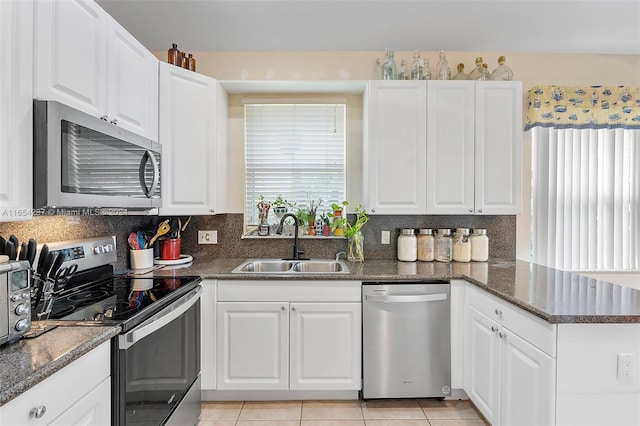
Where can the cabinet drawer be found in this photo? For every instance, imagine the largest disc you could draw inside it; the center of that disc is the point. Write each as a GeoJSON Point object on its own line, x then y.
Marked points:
{"type": "Point", "coordinates": [529, 327]}
{"type": "Point", "coordinates": [60, 391]}
{"type": "Point", "coordinates": [290, 291]}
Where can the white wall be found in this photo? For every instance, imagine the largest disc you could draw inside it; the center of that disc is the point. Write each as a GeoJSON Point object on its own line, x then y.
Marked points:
{"type": "Point", "coordinates": [531, 69]}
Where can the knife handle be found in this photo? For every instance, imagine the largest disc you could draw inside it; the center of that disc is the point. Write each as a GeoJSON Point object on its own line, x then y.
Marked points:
{"type": "Point", "coordinates": [10, 250]}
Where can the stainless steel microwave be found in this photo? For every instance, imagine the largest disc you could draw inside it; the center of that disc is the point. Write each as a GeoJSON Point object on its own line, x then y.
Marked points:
{"type": "Point", "coordinates": [81, 161]}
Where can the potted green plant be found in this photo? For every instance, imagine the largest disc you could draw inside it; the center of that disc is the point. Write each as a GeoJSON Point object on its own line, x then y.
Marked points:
{"type": "Point", "coordinates": [305, 221]}
{"type": "Point", "coordinates": [326, 225]}
{"type": "Point", "coordinates": [281, 206]}
{"type": "Point", "coordinates": [337, 217]}
{"type": "Point", "coordinates": [353, 232]}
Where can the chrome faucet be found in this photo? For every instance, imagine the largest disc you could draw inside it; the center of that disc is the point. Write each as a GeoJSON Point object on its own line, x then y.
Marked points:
{"type": "Point", "coordinates": [339, 253]}
{"type": "Point", "coordinates": [296, 250]}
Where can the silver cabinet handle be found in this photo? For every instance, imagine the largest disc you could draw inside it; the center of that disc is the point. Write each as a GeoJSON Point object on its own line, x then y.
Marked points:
{"type": "Point", "coordinates": [158, 321]}
{"type": "Point", "coordinates": [502, 335]}
{"type": "Point", "coordinates": [104, 117]}
{"type": "Point", "coordinates": [38, 412]}
{"type": "Point", "coordinates": [293, 308]}
{"type": "Point", "coordinates": [283, 309]}
{"type": "Point", "coordinates": [212, 210]}
{"type": "Point", "coordinates": [470, 210]}
{"type": "Point", "coordinates": [114, 121]}
{"type": "Point", "coordinates": [373, 210]}
{"type": "Point", "coordinates": [494, 328]}
{"type": "Point", "coordinates": [480, 211]}
{"type": "Point", "coordinates": [409, 298]}
{"type": "Point", "coordinates": [498, 312]}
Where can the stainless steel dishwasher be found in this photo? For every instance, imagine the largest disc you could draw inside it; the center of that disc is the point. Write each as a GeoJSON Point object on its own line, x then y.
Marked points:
{"type": "Point", "coordinates": [406, 340]}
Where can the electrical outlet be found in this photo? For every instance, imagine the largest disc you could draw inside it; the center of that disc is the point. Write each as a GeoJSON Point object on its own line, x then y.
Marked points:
{"type": "Point", "coordinates": [207, 237]}
{"type": "Point", "coordinates": [626, 367]}
{"type": "Point", "coordinates": [385, 237]}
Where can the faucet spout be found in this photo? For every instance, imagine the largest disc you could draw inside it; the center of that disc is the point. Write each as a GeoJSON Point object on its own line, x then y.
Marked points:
{"type": "Point", "coordinates": [296, 250]}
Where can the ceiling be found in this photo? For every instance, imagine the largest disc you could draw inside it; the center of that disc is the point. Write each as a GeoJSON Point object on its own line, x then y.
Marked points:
{"type": "Point", "coordinates": [540, 26]}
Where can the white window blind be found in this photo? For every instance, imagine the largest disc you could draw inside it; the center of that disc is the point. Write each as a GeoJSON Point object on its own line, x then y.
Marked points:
{"type": "Point", "coordinates": [296, 150]}
{"type": "Point", "coordinates": [586, 199]}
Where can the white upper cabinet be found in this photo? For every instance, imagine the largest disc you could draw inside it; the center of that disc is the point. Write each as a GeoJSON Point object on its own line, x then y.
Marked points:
{"type": "Point", "coordinates": [474, 147]}
{"type": "Point", "coordinates": [450, 148]}
{"type": "Point", "coordinates": [86, 60]}
{"type": "Point", "coordinates": [394, 147]}
{"type": "Point", "coordinates": [16, 110]}
{"type": "Point", "coordinates": [193, 134]}
{"type": "Point", "coordinates": [498, 147]}
{"type": "Point", "coordinates": [132, 82]}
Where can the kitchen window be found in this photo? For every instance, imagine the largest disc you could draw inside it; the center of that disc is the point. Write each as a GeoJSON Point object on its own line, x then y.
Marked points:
{"type": "Point", "coordinates": [586, 177]}
{"type": "Point", "coordinates": [295, 150]}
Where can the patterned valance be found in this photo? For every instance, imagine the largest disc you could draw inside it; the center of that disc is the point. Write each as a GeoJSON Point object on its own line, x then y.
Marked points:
{"type": "Point", "coordinates": [584, 107]}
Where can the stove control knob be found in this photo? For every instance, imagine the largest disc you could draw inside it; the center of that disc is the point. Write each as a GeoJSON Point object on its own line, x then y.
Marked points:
{"type": "Point", "coordinates": [22, 325]}
{"type": "Point", "coordinates": [16, 297]}
{"type": "Point", "coordinates": [98, 250]}
{"type": "Point", "coordinates": [22, 309]}
{"type": "Point", "coordinates": [108, 248]}
{"type": "Point", "coordinates": [25, 295]}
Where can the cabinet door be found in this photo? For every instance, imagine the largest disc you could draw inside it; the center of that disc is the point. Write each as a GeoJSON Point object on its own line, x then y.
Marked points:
{"type": "Point", "coordinates": [16, 111]}
{"type": "Point", "coordinates": [527, 383]}
{"type": "Point", "coordinates": [93, 409]}
{"type": "Point", "coordinates": [450, 147]}
{"type": "Point", "coordinates": [132, 81]}
{"type": "Point", "coordinates": [482, 363]}
{"type": "Point", "coordinates": [325, 346]}
{"type": "Point", "coordinates": [70, 58]}
{"type": "Point", "coordinates": [253, 345]}
{"type": "Point", "coordinates": [395, 147]}
{"type": "Point", "coordinates": [498, 145]}
{"type": "Point", "coordinates": [193, 142]}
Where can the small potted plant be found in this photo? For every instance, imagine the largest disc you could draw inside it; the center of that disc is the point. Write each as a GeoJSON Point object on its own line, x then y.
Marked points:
{"type": "Point", "coordinates": [326, 225]}
{"type": "Point", "coordinates": [353, 232]}
{"type": "Point", "coordinates": [338, 219]}
{"type": "Point", "coordinates": [281, 206]}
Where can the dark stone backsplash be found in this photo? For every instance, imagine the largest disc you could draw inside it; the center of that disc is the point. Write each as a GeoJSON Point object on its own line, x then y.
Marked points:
{"type": "Point", "coordinates": [500, 229]}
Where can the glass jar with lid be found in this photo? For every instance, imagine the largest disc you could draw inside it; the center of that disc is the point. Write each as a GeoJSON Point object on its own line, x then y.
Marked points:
{"type": "Point", "coordinates": [443, 245]}
{"type": "Point", "coordinates": [461, 245]}
{"type": "Point", "coordinates": [425, 243]}
{"type": "Point", "coordinates": [407, 246]}
{"type": "Point", "coordinates": [479, 245]}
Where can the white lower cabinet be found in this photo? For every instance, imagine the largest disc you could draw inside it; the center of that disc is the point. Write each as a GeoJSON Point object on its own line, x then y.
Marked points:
{"type": "Point", "coordinates": [79, 394]}
{"type": "Point", "coordinates": [509, 379]}
{"type": "Point", "coordinates": [309, 340]}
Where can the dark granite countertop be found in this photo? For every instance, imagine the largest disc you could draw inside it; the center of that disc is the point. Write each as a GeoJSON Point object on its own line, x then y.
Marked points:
{"type": "Point", "coordinates": [553, 295]}
{"type": "Point", "coordinates": [29, 361]}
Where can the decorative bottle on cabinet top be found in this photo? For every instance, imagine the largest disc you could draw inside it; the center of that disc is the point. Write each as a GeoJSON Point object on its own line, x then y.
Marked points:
{"type": "Point", "coordinates": [377, 70]}
{"type": "Point", "coordinates": [389, 71]}
{"type": "Point", "coordinates": [443, 72]}
{"type": "Point", "coordinates": [425, 70]}
{"type": "Point", "coordinates": [479, 73]}
{"type": "Point", "coordinates": [191, 63]}
{"type": "Point", "coordinates": [417, 66]}
{"type": "Point", "coordinates": [461, 75]}
{"type": "Point", "coordinates": [174, 57]}
{"type": "Point", "coordinates": [402, 71]}
{"type": "Point", "coordinates": [502, 72]}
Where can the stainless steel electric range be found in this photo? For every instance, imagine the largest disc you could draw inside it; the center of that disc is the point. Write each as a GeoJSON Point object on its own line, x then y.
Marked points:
{"type": "Point", "coordinates": [155, 361]}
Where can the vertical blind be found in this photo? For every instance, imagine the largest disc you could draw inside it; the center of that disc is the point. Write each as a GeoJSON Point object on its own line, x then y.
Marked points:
{"type": "Point", "coordinates": [586, 198]}
{"type": "Point", "coordinates": [294, 150]}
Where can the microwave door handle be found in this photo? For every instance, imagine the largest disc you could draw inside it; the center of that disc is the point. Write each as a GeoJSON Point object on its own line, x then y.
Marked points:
{"type": "Point", "coordinates": [148, 156]}
{"type": "Point", "coordinates": [156, 323]}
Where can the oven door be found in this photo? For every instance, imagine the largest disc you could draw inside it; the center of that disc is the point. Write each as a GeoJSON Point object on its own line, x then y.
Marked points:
{"type": "Point", "coordinates": [157, 364]}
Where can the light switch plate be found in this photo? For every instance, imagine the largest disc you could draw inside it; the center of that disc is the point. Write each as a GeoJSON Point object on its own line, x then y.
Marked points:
{"type": "Point", "coordinates": [207, 237]}
{"type": "Point", "coordinates": [626, 367]}
{"type": "Point", "coordinates": [385, 237]}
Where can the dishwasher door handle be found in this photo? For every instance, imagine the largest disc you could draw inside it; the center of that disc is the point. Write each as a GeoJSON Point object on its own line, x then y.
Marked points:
{"type": "Point", "coordinates": [409, 298]}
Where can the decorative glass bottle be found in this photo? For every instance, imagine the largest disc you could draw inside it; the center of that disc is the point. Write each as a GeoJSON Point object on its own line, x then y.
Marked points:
{"type": "Point", "coordinates": [461, 75]}
{"type": "Point", "coordinates": [377, 70]}
{"type": "Point", "coordinates": [502, 72]}
{"type": "Point", "coordinates": [402, 71]}
{"type": "Point", "coordinates": [443, 72]}
{"type": "Point", "coordinates": [174, 57]}
{"type": "Point", "coordinates": [425, 69]}
{"type": "Point", "coordinates": [479, 73]}
{"type": "Point", "coordinates": [417, 66]}
{"type": "Point", "coordinates": [389, 71]}
{"type": "Point", "coordinates": [191, 63]}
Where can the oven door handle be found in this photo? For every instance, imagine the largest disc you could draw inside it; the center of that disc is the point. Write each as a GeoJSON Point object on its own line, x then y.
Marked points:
{"type": "Point", "coordinates": [156, 322]}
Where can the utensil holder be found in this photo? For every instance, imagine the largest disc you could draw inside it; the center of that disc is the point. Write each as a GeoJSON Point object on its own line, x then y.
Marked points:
{"type": "Point", "coordinates": [141, 259]}
{"type": "Point", "coordinates": [170, 249]}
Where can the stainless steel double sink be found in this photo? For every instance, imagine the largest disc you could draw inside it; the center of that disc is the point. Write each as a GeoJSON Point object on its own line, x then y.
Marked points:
{"type": "Point", "coordinates": [292, 267]}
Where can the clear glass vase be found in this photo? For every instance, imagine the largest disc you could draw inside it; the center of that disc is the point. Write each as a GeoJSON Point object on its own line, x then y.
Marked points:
{"type": "Point", "coordinates": [356, 248]}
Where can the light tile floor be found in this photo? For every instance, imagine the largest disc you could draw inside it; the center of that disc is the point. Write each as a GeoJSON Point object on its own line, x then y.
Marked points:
{"type": "Point", "coordinates": [389, 412]}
